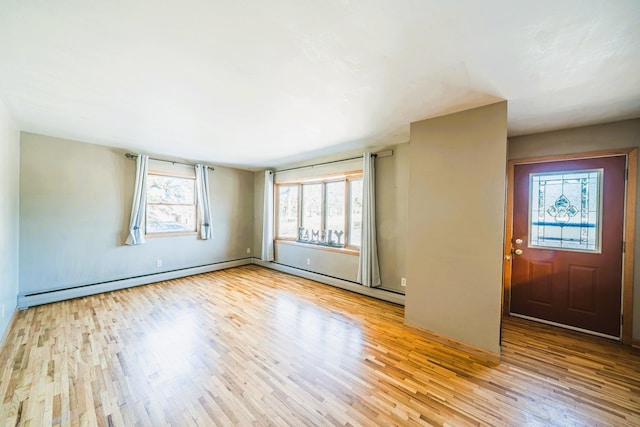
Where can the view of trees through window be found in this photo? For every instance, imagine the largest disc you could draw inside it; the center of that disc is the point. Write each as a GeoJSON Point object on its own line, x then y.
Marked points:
{"type": "Point", "coordinates": [326, 212]}
{"type": "Point", "coordinates": [312, 206]}
{"type": "Point", "coordinates": [288, 211]}
{"type": "Point", "coordinates": [171, 205]}
{"type": "Point", "coordinates": [335, 205]}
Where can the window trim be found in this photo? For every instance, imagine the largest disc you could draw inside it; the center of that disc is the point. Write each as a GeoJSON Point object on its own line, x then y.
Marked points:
{"type": "Point", "coordinates": [195, 205]}
{"type": "Point", "coordinates": [347, 177]}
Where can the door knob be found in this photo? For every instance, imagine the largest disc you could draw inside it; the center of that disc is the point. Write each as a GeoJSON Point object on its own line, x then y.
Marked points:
{"type": "Point", "coordinates": [518, 251]}
{"type": "Point", "coordinates": [518, 241]}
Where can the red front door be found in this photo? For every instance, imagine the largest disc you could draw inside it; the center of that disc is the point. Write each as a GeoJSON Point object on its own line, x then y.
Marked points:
{"type": "Point", "coordinates": [567, 239]}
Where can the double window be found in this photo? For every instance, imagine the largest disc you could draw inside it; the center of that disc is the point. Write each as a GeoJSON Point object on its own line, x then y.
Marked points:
{"type": "Point", "coordinates": [324, 211]}
{"type": "Point", "coordinates": [171, 204]}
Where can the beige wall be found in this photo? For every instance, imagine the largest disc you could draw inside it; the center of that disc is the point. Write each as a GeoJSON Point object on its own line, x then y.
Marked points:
{"type": "Point", "coordinates": [392, 193]}
{"type": "Point", "coordinates": [9, 197]}
{"type": "Point", "coordinates": [74, 214]}
{"type": "Point", "coordinates": [258, 202]}
{"type": "Point", "coordinates": [392, 178]}
{"type": "Point", "coordinates": [334, 264]}
{"type": "Point", "coordinates": [456, 225]}
{"type": "Point", "coordinates": [622, 134]}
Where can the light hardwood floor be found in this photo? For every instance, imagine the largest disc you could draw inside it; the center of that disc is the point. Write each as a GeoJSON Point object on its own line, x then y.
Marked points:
{"type": "Point", "coordinates": [251, 346]}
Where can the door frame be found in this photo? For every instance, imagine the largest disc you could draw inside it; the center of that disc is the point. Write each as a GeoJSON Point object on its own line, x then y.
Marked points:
{"type": "Point", "coordinates": [628, 237]}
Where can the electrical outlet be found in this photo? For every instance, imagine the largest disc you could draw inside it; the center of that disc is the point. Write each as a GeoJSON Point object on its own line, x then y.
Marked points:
{"type": "Point", "coordinates": [159, 263]}
{"type": "Point", "coordinates": [248, 250]}
{"type": "Point", "coordinates": [308, 261]}
{"type": "Point", "coordinates": [403, 282]}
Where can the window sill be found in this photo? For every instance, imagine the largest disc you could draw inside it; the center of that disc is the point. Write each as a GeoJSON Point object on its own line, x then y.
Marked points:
{"type": "Point", "coordinates": [180, 234]}
{"type": "Point", "coordinates": [347, 250]}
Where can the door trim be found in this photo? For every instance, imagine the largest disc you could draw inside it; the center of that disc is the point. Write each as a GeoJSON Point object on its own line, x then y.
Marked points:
{"type": "Point", "coordinates": [629, 228]}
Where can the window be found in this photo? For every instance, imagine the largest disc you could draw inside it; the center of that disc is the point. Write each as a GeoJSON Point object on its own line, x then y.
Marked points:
{"type": "Point", "coordinates": [171, 204]}
{"type": "Point", "coordinates": [324, 211]}
{"type": "Point", "coordinates": [287, 211]}
{"type": "Point", "coordinates": [312, 206]}
{"type": "Point", "coordinates": [335, 206]}
{"type": "Point", "coordinates": [565, 210]}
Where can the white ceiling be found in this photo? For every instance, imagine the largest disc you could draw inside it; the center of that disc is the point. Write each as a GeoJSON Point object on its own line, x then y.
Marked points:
{"type": "Point", "coordinates": [271, 82]}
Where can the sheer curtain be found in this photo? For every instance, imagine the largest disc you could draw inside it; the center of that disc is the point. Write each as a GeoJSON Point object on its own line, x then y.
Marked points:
{"type": "Point", "coordinates": [204, 202]}
{"type": "Point", "coordinates": [138, 210]}
{"type": "Point", "coordinates": [368, 266]}
{"type": "Point", "coordinates": [267, 217]}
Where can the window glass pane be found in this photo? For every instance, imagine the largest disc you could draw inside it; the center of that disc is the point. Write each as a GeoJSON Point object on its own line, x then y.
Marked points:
{"type": "Point", "coordinates": [170, 190]}
{"type": "Point", "coordinates": [287, 211]}
{"type": "Point", "coordinates": [170, 218]}
{"type": "Point", "coordinates": [335, 207]}
{"type": "Point", "coordinates": [171, 206]}
{"type": "Point", "coordinates": [564, 210]}
{"type": "Point", "coordinates": [312, 206]}
{"type": "Point", "coordinates": [355, 212]}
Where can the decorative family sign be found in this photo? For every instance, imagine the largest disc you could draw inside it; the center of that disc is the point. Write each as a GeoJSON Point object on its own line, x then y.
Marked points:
{"type": "Point", "coordinates": [321, 237]}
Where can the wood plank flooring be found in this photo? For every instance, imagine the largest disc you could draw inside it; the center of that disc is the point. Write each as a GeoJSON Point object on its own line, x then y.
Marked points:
{"type": "Point", "coordinates": [251, 346]}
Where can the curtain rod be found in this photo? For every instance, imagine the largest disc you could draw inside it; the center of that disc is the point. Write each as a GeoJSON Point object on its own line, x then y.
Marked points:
{"type": "Point", "coordinates": [133, 156]}
{"type": "Point", "coordinates": [324, 163]}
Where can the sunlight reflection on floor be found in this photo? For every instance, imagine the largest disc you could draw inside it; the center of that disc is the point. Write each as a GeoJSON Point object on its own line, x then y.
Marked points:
{"type": "Point", "coordinates": [318, 332]}
{"type": "Point", "coordinates": [172, 346]}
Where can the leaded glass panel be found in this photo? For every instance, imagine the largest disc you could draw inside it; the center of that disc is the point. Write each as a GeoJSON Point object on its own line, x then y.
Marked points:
{"type": "Point", "coordinates": [565, 210]}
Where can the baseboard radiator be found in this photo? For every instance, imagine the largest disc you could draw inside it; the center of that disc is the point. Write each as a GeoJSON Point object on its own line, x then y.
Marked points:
{"type": "Point", "coordinates": [33, 299]}
{"type": "Point", "coordinates": [381, 294]}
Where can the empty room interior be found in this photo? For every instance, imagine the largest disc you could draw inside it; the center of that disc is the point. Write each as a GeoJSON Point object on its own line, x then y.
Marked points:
{"type": "Point", "coordinates": [319, 213]}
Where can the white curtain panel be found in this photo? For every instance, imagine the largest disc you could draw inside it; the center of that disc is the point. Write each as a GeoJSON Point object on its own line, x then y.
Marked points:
{"type": "Point", "coordinates": [267, 224]}
{"type": "Point", "coordinates": [368, 265]}
{"type": "Point", "coordinates": [138, 210]}
{"type": "Point", "coordinates": [204, 202]}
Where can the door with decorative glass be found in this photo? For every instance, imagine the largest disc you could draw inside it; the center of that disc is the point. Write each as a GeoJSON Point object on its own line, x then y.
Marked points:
{"type": "Point", "coordinates": [567, 243]}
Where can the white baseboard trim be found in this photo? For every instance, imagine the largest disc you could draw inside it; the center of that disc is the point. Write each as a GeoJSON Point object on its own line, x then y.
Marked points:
{"type": "Point", "coordinates": [26, 301]}
{"type": "Point", "coordinates": [332, 281]}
